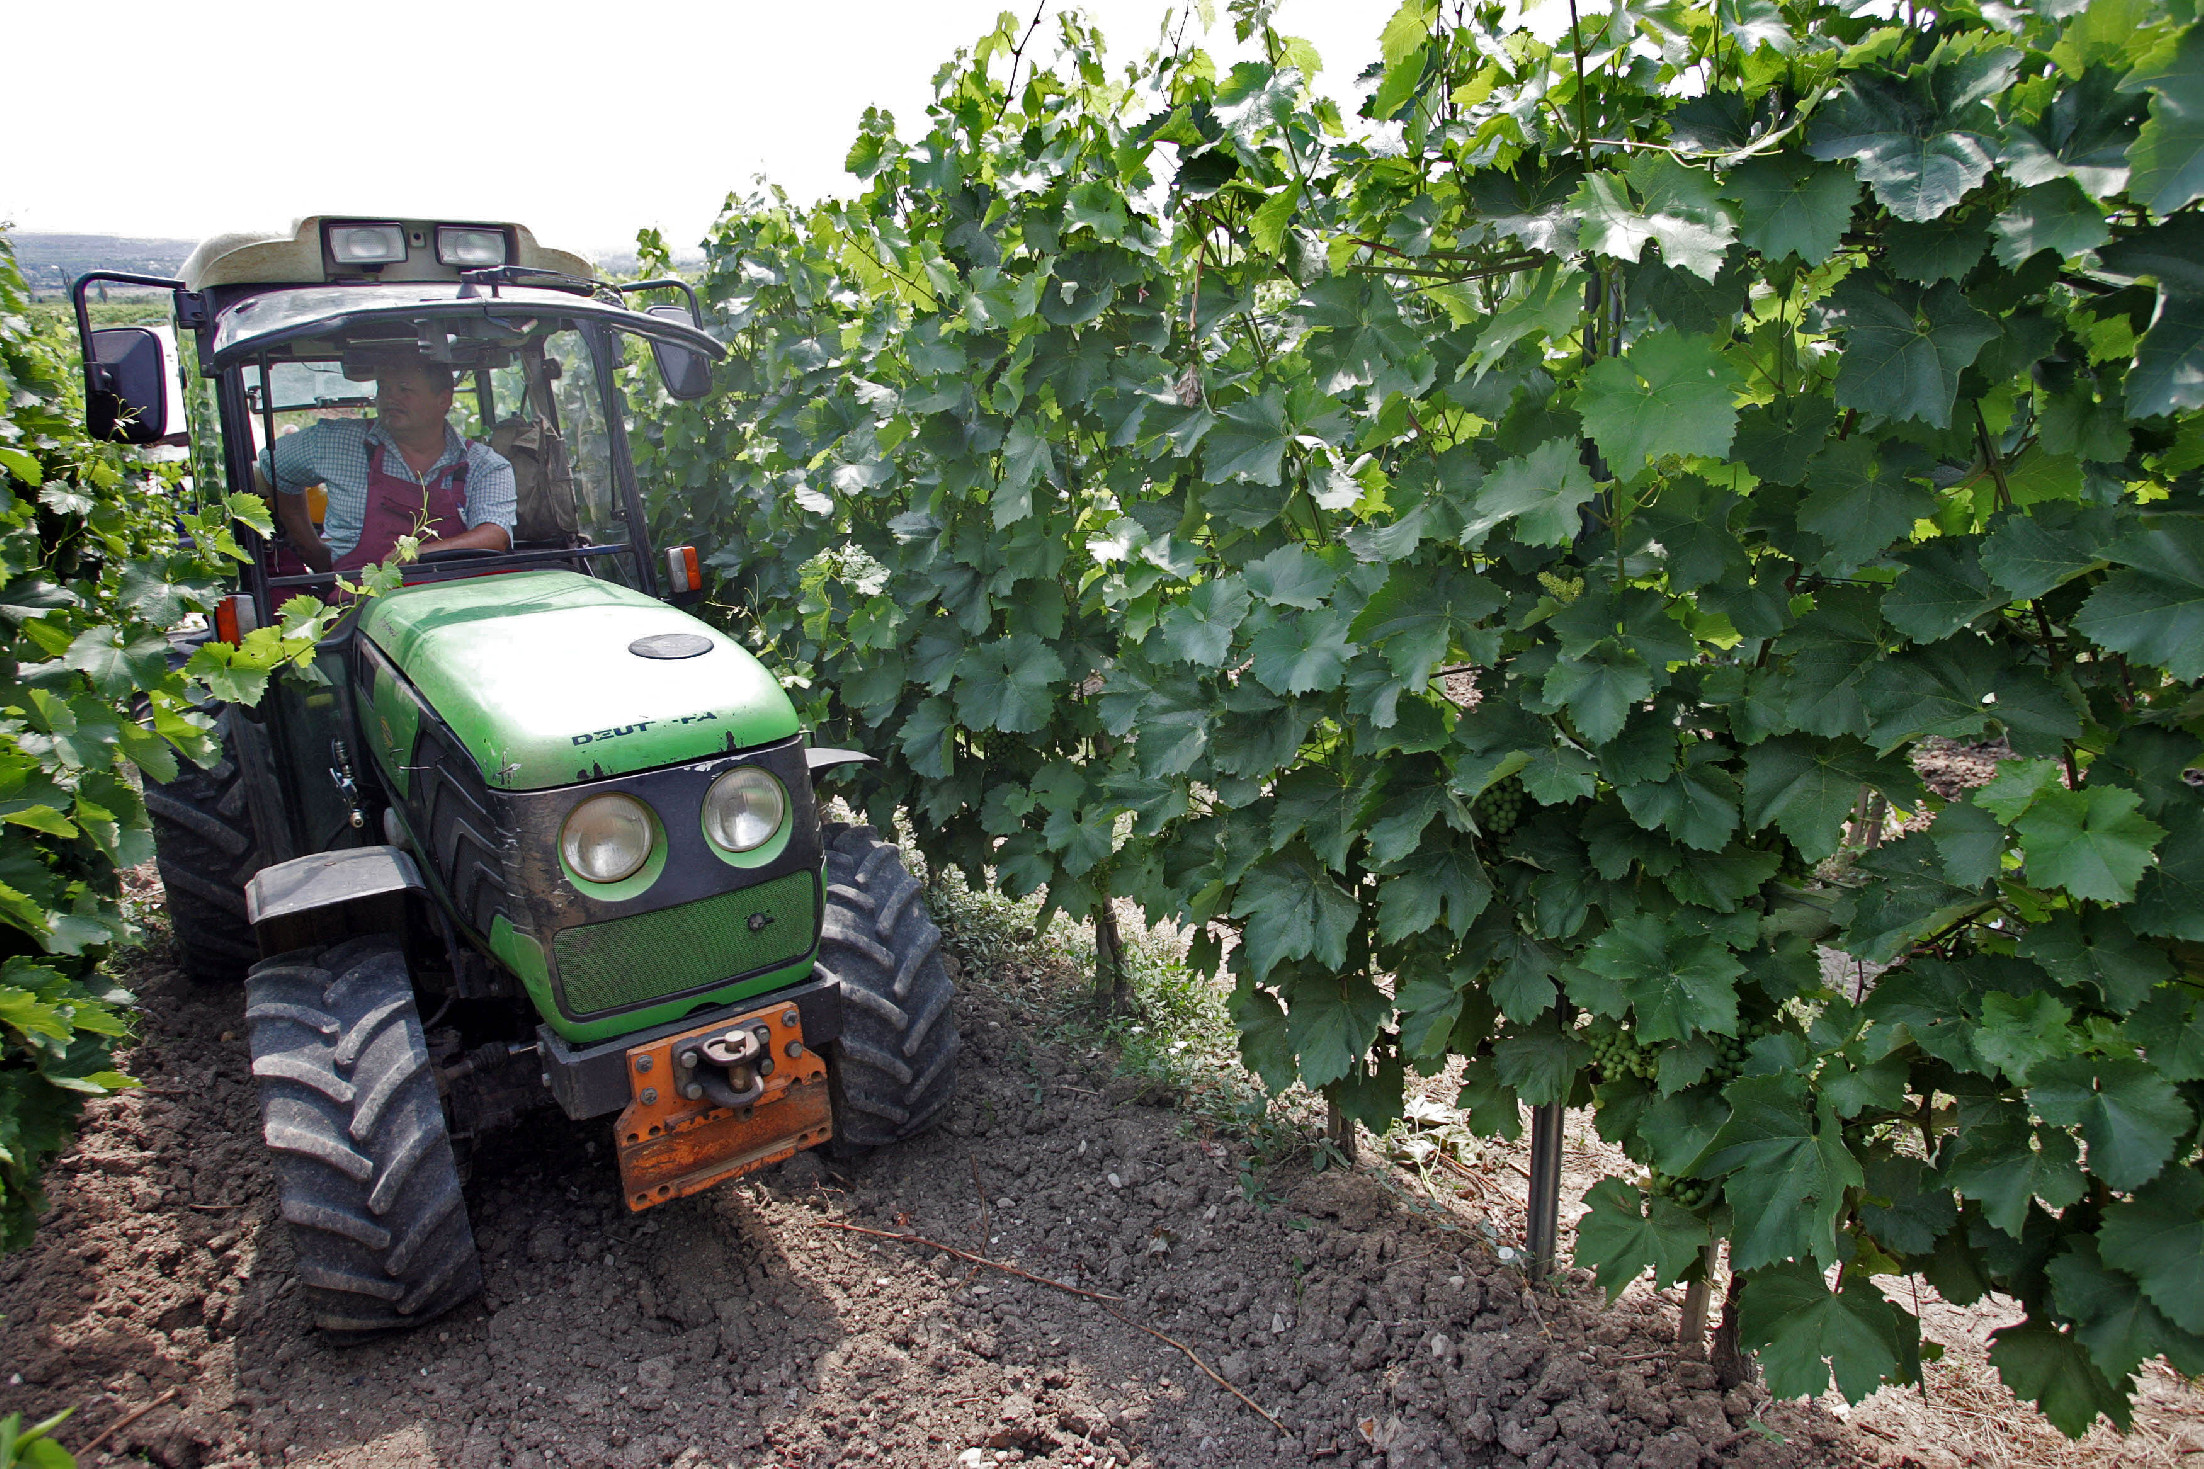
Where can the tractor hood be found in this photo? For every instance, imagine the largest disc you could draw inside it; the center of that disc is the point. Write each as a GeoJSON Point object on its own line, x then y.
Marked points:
{"type": "Point", "coordinates": [552, 677]}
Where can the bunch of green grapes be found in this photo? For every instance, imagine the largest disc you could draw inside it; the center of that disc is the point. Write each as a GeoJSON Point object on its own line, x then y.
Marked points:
{"type": "Point", "coordinates": [1731, 1049]}
{"type": "Point", "coordinates": [1562, 590]}
{"type": "Point", "coordinates": [1685, 1193]}
{"type": "Point", "coordinates": [1617, 1054]}
{"type": "Point", "coordinates": [1499, 806]}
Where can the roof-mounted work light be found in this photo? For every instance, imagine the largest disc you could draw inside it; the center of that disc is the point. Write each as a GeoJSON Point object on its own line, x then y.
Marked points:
{"type": "Point", "coordinates": [352, 243]}
{"type": "Point", "coordinates": [469, 247]}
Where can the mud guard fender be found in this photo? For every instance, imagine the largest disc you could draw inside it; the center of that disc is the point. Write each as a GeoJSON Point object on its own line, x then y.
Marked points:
{"type": "Point", "coordinates": [822, 761]}
{"type": "Point", "coordinates": [327, 897]}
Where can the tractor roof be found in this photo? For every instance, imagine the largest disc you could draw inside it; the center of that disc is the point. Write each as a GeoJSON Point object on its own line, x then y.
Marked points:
{"type": "Point", "coordinates": [306, 256]}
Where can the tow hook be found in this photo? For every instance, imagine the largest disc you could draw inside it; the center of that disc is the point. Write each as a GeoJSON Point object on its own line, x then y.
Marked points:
{"type": "Point", "coordinates": [728, 1069]}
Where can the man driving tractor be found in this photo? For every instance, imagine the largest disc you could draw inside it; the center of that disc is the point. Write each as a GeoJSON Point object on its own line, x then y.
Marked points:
{"type": "Point", "coordinates": [407, 468]}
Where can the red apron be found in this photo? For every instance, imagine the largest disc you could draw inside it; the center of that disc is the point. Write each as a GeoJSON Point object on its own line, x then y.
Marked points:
{"type": "Point", "coordinates": [395, 506]}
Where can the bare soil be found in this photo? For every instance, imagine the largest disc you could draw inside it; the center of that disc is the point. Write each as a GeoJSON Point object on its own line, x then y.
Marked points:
{"type": "Point", "coordinates": [1365, 1311]}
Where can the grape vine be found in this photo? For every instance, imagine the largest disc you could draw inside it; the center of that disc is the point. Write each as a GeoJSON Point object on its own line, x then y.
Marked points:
{"type": "Point", "coordinates": [1747, 394]}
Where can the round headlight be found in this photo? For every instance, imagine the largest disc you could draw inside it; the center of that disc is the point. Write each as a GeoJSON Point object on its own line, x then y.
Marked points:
{"type": "Point", "coordinates": [607, 838]}
{"type": "Point", "coordinates": [743, 809]}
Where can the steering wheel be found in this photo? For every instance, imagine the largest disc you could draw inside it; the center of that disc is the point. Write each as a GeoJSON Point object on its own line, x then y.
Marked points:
{"type": "Point", "coordinates": [455, 553]}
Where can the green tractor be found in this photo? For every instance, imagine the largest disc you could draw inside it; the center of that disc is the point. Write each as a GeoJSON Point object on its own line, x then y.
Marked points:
{"type": "Point", "coordinates": [541, 837]}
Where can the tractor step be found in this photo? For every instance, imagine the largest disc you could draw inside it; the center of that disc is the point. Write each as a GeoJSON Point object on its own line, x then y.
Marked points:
{"type": "Point", "coordinates": [694, 1120]}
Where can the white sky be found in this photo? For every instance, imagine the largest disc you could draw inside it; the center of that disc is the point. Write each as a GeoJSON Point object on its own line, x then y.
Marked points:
{"type": "Point", "coordinates": [185, 118]}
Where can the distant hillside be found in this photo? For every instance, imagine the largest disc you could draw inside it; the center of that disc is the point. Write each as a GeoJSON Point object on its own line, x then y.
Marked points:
{"type": "Point", "coordinates": [50, 262]}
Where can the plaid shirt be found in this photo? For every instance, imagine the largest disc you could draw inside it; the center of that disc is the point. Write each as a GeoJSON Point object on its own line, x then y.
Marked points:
{"type": "Point", "coordinates": [333, 453]}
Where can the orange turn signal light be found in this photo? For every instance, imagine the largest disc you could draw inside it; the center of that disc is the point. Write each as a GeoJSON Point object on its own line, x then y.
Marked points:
{"type": "Point", "coordinates": [683, 572]}
{"type": "Point", "coordinates": [235, 616]}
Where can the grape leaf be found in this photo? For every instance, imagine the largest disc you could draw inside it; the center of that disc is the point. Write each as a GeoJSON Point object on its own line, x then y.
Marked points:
{"type": "Point", "coordinates": [1522, 983]}
{"type": "Point", "coordinates": [1904, 143]}
{"type": "Point", "coordinates": [2083, 135]}
{"type": "Point", "coordinates": [1008, 684]}
{"type": "Point", "coordinates": [2168, 375]}
{"type": "Point", "coordinates": [1417, 616]}
{"type": "Point", "coordinates": [1926, 1002]}
{"type": "Point", "coordinates": [2091, 842]}
{"type": "Point", "coordinates": [1680, 212]}
{"type": "Point", "coordinates": [2166, 161]}
{"type": "Point", "coordinates": [1670, 393]}
{"type": "Point", "coordinates": [1265, 1046]}
{"type": "Point", "coordinates": [2056, 216]}
{"type": "Point", "coordinates": [1314, 805]}
{"type": "Point", "coordinates": [1971, 843]}
{"type": "Point", "coordinates": [1559, 774]}
{"type": "Point", "coordinates": [1598, 686]}
{"type": "Point", "coordinates": [1622, 1234]}
{"type": "Point", "coordinates": [2018, 785]}
{"type": "Point", "coordinates": [2029, 554]}
{"type": "Point", "coordinates": [1698, 805]}
{"type": "Point", "coordinates": [1026, 460]}
{"type": "Point", "coordinates": [1291, 577]}
{"type": "Point", "coordinates": [1675, 983]}
{"type": "Point", "coordinates": [2113, 1318]}
{"type": "Point", "coordinates": [2158, 1237]}
{"type": "Point", "coordinates": [1331, 1020]}
{"type": "Point", "coordinates": [2045, 1366]}
{"type": "Point", "coordinates": [2170, 899]}
{"type": "Point", "coordinates": [1540, 491]}
{"type": "Point", "coordinates": [1293, 911]}
{"type": "Point", "coordinates": [1303, 652]}
{"type": "Point", "coordinates": [2170, 1029]}
{"type": "Point", "coordinates": [1793, 207]}
{"type": "Point", "coordinates": [1807, 788]}
{"type": "Point", "coordinates": [1942, 249]}
{"type": "Point", "coordinates": [2008, 1166]}
{"type": "Point", "coordinates": [2155, 611]}
{"type": "Point", "coordinates": [1540, 1062]}
{"type": "Point", "coordinates": [2019, 1031]}
{"type": "Point", "coordinates": [1943, 589]}
{"type": "Point", "coordinates": [1905, 1205]}
{"type": "Point", "coordinates": [2130, 1116]}
{"type": "Point", "coordinates": [1804, 1332]}
{"type": "Point", "coordinates": [1905, 347]}
{"type": "Point", "coordinates": [1197, 628]}
{"type": "Point", "coordinates": [1861, 500]}
{"type": "Point", "coordinates": [1250, 441]}
{"type": "Point", "coordinates": [2099, 950]}
{"type": "Point", "coordinates": [1787, 1169]}
{"type": "Point", "coordinates": [1410, 901]}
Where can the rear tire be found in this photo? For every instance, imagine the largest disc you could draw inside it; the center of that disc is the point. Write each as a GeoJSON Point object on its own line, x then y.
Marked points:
{"type": "Point", "coordinates": [207, 851]}
{"type": "Point", "coordinates": [363, 1158]}
{"type": "Point", "coordinates": [893, 1069]}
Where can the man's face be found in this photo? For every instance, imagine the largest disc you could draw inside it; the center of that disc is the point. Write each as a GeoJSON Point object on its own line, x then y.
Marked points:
{"type": "Point", "coordinates": [407, 400]}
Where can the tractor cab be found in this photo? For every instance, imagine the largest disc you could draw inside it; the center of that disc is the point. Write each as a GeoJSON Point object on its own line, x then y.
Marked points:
{"type": "Point", "coordinates": [292, 330]}
{"type": "Point", "coordinates": [536, 836]}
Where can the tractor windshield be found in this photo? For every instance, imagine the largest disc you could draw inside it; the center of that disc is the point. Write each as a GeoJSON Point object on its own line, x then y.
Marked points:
{"type": "Point", "coordinates": [543, 411]}
{"type": "Point", "coordinates": [531, 374]}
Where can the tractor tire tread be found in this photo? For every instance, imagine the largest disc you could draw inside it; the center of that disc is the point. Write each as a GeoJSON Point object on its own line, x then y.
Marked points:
{"type": "Point", "coordinates": [206, 850]}
{"type": "Point", "coordinates": [885, 959]}
{"type": "Point", "coordinates": [367, 1180]}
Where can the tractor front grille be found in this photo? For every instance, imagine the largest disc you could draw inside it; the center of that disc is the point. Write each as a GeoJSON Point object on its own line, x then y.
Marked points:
{"type": "Point", "coordinates": [629, 961]}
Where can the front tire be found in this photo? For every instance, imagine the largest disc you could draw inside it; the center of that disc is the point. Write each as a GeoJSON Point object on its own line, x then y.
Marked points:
{"type": "Point", "coordinates": [364, 1163]}
{"type": "Point", "coordinates": [893, 1069]}
{"type": "Point", "coordinates": [207, 850]}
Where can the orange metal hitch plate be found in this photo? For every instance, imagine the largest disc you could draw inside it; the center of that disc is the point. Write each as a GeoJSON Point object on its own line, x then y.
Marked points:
{"type": "Point", "coordinates": [671, 1145]}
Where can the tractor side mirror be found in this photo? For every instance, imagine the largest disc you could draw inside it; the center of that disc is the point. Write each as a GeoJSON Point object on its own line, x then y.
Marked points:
{"type": "Point", "coordinates": [126, 386]}
{"type": "Point", "coordinates": [687, 375]}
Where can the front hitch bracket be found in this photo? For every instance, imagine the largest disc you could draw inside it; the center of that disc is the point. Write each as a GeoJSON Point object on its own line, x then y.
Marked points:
{"type": "Point", "coordinates": [710, 1104]}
